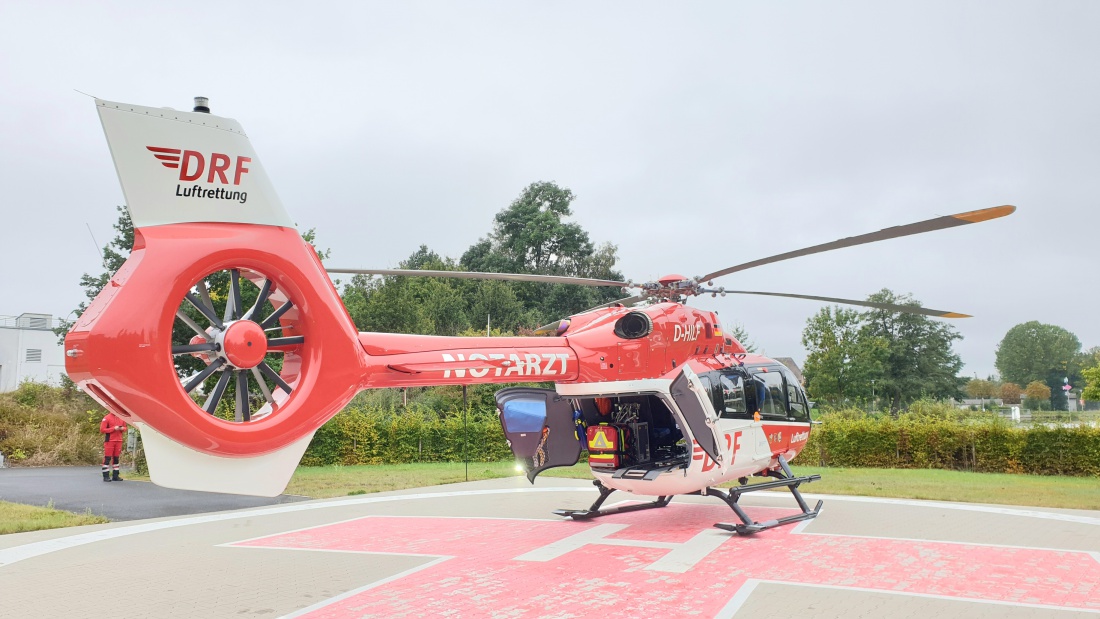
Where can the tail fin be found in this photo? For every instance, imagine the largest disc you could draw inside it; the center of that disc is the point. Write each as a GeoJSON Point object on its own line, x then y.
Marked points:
{"type": "Point", "coordinates": [175, 465]}
{"type": "Point", "coordinates": [202, 208]}
{"type": "Point", "coordinates": [178, 167]}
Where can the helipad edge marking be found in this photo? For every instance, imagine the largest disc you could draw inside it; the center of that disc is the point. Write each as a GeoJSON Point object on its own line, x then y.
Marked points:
{"type": "Point", "coordinates": [738, 600]}
{"type": "Point", "coordinates": [323, 603]}
{"type": "Point", "coordinates": [15, 554]}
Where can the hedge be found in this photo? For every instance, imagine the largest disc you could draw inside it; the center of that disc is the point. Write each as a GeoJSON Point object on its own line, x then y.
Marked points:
{"type": "Point", "coordinates": [363, 434]}
{"type": "Point", "coordinates": [988, 445]}
{"type": "Point", "coordinates": [929, 436]}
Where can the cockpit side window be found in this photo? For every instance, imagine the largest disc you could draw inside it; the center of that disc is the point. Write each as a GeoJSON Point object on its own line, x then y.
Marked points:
{"type": "Point", "coordinates": [774, 404]}
{"type": "Point", "coordinates": [734, 404]}
{"type": "Point", "coordinates": [800, 410]}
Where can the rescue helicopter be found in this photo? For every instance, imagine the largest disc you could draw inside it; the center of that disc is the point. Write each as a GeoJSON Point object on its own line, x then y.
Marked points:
{"type": "Point", "coordinates": [663, 400]}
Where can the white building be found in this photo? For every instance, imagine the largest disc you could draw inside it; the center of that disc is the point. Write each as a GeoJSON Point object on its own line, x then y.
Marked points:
{"type": "Point", "coordinates": [29, 350]}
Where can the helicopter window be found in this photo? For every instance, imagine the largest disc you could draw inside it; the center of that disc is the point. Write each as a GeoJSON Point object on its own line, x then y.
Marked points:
{"type": "Point", "coordinates": [774, 403]}
{"type": "Point", "coordinates": [712, 386]}
{"type": "Point", "coordinates": [733, 397]}
{"type": "Point", "coordinates": [799, 410]}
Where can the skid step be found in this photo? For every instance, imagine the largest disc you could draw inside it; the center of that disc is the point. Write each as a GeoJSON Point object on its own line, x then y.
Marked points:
{"type": "Point", "coordinates": [646, 473]}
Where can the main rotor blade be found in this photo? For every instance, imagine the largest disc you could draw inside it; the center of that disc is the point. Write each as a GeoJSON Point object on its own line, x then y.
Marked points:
{"type": "Point", "coordinates": [627, 302]}
{"type": "Point", "coordinates": [908, 309]}
{"type": "Point", "coordinates": [515, 277]}
{"type": "Point", "coordinates": [938, 223]}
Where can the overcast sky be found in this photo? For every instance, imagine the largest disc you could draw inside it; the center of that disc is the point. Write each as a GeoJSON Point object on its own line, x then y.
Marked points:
{"type": "Point", "coordinates": [695, 136]}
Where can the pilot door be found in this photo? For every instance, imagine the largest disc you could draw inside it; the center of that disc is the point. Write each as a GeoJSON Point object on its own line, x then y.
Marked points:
{"type": "Point", "coordinates": [693, 398]}
{"type": "Point", "coordinates": [540, 428]}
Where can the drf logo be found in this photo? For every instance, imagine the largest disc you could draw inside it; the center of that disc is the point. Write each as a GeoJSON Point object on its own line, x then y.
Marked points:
{"type": "Point", "coordinates": [732, 444]}
{"type": "Point", "coordinates": [192, 164]}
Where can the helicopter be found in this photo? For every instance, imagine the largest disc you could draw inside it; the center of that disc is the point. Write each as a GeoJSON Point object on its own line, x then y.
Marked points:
{"type": "Point", "coordinates": [664, 401]}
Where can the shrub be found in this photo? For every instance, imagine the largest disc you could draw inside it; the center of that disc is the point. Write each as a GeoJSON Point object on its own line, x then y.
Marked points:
{"type": "Point", "coordinates": [42, 425]}
{"type": "Point", "coordinates": [366, 433]}
{"type": "Point", "coordinates": [938, 437]}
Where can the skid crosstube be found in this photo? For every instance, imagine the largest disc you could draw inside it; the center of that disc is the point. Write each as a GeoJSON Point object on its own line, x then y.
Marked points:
{"type": "Point", "coordinates": [596, 512]}
{"type": "Point", "coordinates": [785, 479]}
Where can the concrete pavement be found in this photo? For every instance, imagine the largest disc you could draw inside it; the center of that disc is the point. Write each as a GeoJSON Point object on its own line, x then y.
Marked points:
{"type": "Point", "coordinates": [80, 488]}
{"type": "Point", "coordinates": [492, 548]}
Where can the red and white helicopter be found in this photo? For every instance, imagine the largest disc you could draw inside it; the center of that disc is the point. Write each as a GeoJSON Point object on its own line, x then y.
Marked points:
{"type": "Point", "coordinates": [663, 400]}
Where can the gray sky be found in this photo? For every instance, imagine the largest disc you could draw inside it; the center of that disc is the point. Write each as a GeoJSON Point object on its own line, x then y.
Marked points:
{"type": "Point", "coordinates": [695, 136]}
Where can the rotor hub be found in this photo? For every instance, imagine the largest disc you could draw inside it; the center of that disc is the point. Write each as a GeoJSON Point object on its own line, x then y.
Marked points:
{"type": "Point", "coordinates": [243, 344]}
{"type": "Point", "coordinates": [197, 340]}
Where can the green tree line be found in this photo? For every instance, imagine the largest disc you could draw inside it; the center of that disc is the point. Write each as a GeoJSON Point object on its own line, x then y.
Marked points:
{"type": "Point", "coordinates": [891, 359]}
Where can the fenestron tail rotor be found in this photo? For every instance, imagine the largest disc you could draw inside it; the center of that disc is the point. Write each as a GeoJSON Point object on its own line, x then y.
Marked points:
{"type": "Point", "coordinates": [240, 349]}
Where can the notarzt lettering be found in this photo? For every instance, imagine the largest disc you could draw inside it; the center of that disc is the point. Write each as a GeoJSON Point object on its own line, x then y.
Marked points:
{"type": "Point", "coordinates": [527, 364]}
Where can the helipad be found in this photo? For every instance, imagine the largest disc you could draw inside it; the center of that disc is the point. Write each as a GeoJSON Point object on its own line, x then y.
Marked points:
{"type": "Point", "coordinates": [493, 549]}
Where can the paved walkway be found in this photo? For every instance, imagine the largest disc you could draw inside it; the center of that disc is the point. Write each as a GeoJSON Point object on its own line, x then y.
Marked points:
{"type": "Point", "coordinates": [492, 548]}
{"type": "Point", "coordinates": [80, 488]}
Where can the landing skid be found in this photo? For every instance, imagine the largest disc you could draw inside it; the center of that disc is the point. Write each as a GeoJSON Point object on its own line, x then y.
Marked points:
{"type": "Point", "coordinates": [596, 512]}
{"type": "Point", "coordinates": [747, 525]}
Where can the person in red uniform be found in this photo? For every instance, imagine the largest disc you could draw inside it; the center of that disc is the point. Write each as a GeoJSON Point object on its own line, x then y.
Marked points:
{"type": "Point", "coordinates": [112, 427]}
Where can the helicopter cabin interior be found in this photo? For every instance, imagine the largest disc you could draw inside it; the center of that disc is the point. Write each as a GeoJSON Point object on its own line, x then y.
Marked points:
{"type": "Point", "coordinates": [637, 435]}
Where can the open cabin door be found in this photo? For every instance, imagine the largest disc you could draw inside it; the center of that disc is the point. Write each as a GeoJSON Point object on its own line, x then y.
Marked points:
{"type": "Point", "coordinates": [693, 400]}
{"type": "Point", "coordinates": [539, 426]}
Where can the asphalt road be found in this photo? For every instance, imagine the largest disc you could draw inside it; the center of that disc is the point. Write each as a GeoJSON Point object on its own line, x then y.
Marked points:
{"type": "Point", "coordinates": [79, 488]}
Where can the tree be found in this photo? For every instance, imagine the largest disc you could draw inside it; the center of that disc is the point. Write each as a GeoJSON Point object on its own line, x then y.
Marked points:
{"type": "Point", "coordinates": [919, 361]}
{"type": "Point", "coordinates": [1033, 351]}
{"type": "Point", "coordinates": [739, 333]}
{"type": "Point", "coordinates": [841, 362]}
{"type": "Point", "coordinates": [1090, 361]}
{"type": "Point", "coordinates": [115, 252]}
{"type": "Point", "coordinates": [426, 305]}
{"type": "Point", "coordinates": [983, 389]}
{"type": "Point", "coordinates": [1092, 385]}
{"type": "Point", "coordinates": [532, 236]}
{"type": "Point", "coordinates": [1010, 393]}
{"type": "Point", "coordinates": [1038, 395]}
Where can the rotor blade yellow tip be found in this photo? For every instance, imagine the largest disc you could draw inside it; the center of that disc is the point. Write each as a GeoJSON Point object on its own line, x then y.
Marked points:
{"type": "Point", "coordinates": [986, 214]}
{"type": "Point", "coordinates": [954, 315]}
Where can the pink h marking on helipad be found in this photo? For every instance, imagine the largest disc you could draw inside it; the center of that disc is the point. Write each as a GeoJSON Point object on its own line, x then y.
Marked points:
{"type": "Point", "coordinates": [667, 562]}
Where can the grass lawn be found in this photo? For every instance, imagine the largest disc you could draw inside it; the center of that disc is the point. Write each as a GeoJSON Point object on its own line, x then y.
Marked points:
{"type": "Point", "coordinates": [335, 481]}
{"type": "Point", "coordinates": [16, 518]}
{"type": "Point", "coordinates": [331, 481]}
{"type": "Point", "coordinates": [1031, 490]}
{"type": "Point", "coordinates": [940, 485]}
